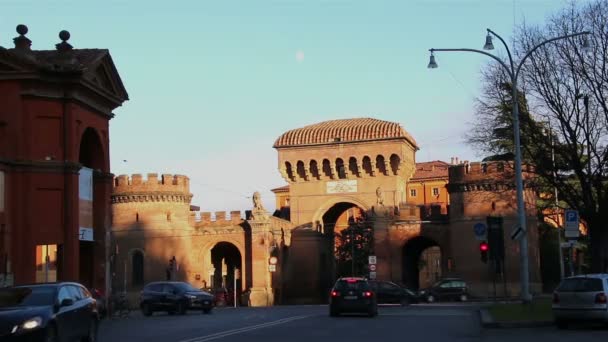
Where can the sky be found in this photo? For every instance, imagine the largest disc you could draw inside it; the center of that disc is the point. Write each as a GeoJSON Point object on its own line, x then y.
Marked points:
{"type": "Point", "coordinates": [212, 84]}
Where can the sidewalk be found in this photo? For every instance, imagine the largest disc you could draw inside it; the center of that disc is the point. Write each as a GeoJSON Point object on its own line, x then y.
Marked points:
{"type": "Point", "coordinates": [517, 315]}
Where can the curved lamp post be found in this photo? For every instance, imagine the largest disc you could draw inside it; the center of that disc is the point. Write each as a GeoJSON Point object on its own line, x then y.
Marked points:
{"type": "Point", "coordinates": [513, 72]}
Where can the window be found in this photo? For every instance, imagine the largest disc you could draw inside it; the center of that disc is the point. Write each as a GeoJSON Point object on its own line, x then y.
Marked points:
{"type": "Point", "coordinates": [137, 267]}
{"type": "Point", "coordinates": [46, 263]}
{"type": "Point", "coordinates": [435, 191]}
{"type": "Point", "coordinates": [412, 192]}
{"type": "Point", "coordinates": [75, 292]}
{"type": "Point", "coordinates": [154, 288]}
{"type": "Point", "coordinates": [64, 293]}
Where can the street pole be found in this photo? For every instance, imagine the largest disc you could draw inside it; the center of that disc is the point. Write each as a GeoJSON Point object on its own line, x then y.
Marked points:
{"type": "Point", "coordinates": [513, 73]}
{"type": "Point", "coordinates": [557, 216]}
{"type": "Point", "coordinates": [352, 251]}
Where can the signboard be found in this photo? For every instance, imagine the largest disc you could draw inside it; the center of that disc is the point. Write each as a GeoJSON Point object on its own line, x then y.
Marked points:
{"type": "Point", "coordinates": [517, 233]}
{"type": "Point", "coordinates": [85, 204]}
{"type": "Point", "coordinates": [85, 234]}
{"type": "Point", "coordinates": [372, 268]}
{"type": "Point", "coordinates": [572, 224]}
{"type": "Point", "coordinates": [341, 186]}
{"type": "Point", "coordinates": [372, 260]}
{"type": "Point", "coordinates": [272, 268]}
{"type": "Point", "coordinates": [372, 275]}
{"type": "Point", "coordinates": [480, 230]}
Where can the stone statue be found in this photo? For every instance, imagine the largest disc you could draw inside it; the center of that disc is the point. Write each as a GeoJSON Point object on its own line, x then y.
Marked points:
{"type": "Point", "coordinates": [257, 202]}
{"type": "Point", "coordinates": [380, 196]}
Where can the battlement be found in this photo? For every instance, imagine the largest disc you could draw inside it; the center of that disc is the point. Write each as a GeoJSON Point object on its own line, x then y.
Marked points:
{"type": "Point", "coordinates": [236, 217]}
{"type": "Point", "coordinates": [137, 184]}
{"type": "Point", "coordinates": [466, 172]}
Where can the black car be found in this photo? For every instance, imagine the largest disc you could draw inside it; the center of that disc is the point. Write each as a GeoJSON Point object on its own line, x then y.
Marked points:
{"type": "Point", "coordinates": [446, 289]}
{"type": "Point", "coordinates": [48, 312]}
{"type": "Point", "coordinates": [174, 297]}
{"type": "Point", "coordinates": [390, 293]}
{"type": "Point", "coordinates": [352, 295]}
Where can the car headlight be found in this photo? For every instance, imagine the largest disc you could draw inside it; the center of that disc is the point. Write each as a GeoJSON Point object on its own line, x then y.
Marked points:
{"type": "Point", "coordinates": [190, 296]}
{"type": "Point", "coordinates": [32, 323]}
{"type": "Point", "coordinates": [422, 292]}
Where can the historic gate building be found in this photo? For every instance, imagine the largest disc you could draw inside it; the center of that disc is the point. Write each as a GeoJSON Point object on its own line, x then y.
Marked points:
{"type": "Point", "coordinates": [336, 171]}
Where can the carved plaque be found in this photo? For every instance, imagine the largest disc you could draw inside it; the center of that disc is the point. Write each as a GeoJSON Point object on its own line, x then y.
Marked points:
{"type": "Point", "coordinates": [342, 186]}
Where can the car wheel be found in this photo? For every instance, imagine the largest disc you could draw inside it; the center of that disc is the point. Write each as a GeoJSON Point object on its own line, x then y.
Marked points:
{"type": "Point", "coordinates": [464, 297]}
{"type": "Point", "coordinates": [430, 298]}
{"type": "Point", "coordinates": [561, 324]}
{"type": "Point", "coordinates": [181, 308]}
{"type": "Point", "coordinates": [146, 309]}
{"type": "Point", "coordinates": [92, 334]}
{"type": "Point", "coordinates": [51, 333]}
{"type": "Point", "coordinates": [207, 311]}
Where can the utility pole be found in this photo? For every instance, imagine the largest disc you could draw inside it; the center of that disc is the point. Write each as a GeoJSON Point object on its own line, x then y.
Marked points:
{"type": "Point", "coordinates": [559, 234]}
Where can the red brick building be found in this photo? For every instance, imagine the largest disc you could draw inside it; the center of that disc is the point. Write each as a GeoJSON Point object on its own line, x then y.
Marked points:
{"type": "Point", "coordinates": [55, 181]}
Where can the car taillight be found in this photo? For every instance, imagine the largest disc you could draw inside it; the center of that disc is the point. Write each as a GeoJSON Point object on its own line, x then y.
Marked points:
{"type": "Point", "coordinates": [555, 298]}
{"type": "Point", "coordinates": [600, 298]}
{"type": "Point", "coordinates": [335, 293]}
{"type": "Point", "coordinates": [367, 294]}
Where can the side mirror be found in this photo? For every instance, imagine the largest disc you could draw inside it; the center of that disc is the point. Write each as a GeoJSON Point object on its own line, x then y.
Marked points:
{"type": "Point", "coordinates": [67, 302]}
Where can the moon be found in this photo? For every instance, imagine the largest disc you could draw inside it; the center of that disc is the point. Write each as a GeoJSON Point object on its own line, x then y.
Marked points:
{"type": "Point", "coordinates": [300, 56]}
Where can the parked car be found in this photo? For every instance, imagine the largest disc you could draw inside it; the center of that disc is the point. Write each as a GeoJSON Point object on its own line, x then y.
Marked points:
{"type": "Point", "coordinates": [581, 298]}
{"type": "Point", "coordinates": [390, 293]}
{"type": "Point", "coordinates": [445, 289]}
{"type": "Point", "coordinates": [352, 295]}
{"type": "Point", "coordinates": [48, 312]}
{"type": "Point", "coordinates": [174, 297]}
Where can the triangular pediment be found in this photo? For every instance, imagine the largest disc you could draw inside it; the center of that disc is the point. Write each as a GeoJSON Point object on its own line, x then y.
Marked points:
{"type": "Point", "coordinates": [103, 74]}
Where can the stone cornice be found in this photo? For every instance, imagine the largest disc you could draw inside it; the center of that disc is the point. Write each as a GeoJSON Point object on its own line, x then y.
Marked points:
{"type": "Point", "coordinates": [41, 166]}
{"type": "Point", "coordinates": [485, 186]}
{"type": "Point", "coordinates": [176, 197]}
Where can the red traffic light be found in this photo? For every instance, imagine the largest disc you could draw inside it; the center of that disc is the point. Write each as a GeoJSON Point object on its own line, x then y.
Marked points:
{"type": "Point", "coordinates": [483, 247]}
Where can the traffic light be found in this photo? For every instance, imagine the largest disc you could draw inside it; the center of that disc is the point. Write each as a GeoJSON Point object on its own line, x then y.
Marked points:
{"type": "Point", "coordinates": [483, 250]}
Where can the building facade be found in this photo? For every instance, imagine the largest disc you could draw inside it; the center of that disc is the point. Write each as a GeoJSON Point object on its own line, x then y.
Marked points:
{"type": "Point", "coordinates": [338, 172]}
{"type": "Point", "coordinates": [55, 180]}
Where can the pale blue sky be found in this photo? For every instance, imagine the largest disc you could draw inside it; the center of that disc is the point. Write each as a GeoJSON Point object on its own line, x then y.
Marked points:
{"type": "Point", "coordinates": [214, 83]}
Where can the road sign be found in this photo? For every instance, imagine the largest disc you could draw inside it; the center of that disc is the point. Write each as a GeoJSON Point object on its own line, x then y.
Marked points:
{"type": "Point", "coordinates": [480, 230]}
{"type": "Point", "coordinates": [568, 244]}
{"type": "Point", "coordinates": [372, 260]}
{"type": "Point", "coordinates": [272, 268]}
{"type": "Point", "coordinates": [572, 224]}
{"type": "Point", "coordinates": [517, 233]}
{"type": "Point", "coordinates": [372, 268]}
{"type": "Point", "coordinates": [372, 275]}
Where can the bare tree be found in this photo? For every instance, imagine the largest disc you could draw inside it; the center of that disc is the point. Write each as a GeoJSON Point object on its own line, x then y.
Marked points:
{"type": "Point", "coordinates": [566, 88]}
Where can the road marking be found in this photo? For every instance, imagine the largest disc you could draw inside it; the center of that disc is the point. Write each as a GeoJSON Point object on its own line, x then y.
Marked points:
{"type": "Point", "coordinates": [430, 313]}
{"type": "Point", "coordinates": [242, 330]}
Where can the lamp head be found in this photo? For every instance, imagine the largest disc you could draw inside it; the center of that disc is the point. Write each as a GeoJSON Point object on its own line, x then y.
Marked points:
{"type": "Point", "coordinates": [586, 43]}
{"type": "Point", "coordinates": [432, 62]}
{"type": "Point", "coordinates": [488, 45]}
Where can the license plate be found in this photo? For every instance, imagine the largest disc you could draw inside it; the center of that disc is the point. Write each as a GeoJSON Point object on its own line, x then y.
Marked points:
{"type": "Point", "coordinates": [206, 302]}
{"type": "Point", "coordinates": [350, 297]}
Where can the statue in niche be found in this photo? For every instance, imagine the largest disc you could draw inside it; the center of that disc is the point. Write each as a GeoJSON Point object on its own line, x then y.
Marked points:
{"type": "Point", "coordinates": [380, 197]}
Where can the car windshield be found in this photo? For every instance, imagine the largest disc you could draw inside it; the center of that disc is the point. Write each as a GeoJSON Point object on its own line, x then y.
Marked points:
{"type": "Point", "coordinates": [185, 287]}
{"type": "Point", "coordinates": [581, 285]}
{"type": "Point", "coordinates": [27, 296]}
{"type": "Point", "coordinates": [360, 285]}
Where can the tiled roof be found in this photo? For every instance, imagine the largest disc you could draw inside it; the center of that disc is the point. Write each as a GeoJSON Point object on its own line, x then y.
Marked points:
{"type": "Point", "coordinates": [284, 188]}
{"type": "Point", "coordinates": [344, 131]}
{"type": "Point", "coordinates": [431, 170]}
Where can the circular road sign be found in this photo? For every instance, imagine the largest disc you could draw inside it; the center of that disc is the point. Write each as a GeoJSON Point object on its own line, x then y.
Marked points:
{"type": "Point", "coordinates": [372, 267]}
{"type": "Point", "coordinates": [480, 229]}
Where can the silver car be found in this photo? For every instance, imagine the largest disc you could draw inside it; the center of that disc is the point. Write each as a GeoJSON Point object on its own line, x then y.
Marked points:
{"type": "Point", "coordinates": [581, 298]}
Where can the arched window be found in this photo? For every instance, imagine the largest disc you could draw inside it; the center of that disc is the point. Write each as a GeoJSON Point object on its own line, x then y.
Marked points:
{"type": "Point", "coordinates": [137, 267]}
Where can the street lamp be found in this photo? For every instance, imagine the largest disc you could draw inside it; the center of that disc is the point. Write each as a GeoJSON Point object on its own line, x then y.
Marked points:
{"type": "Point", "coordinates": [513, 72]}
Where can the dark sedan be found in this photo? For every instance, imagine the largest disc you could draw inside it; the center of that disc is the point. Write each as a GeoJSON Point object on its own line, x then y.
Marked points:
{"type": "Point", "coordinates": [48, 312]}
{"type": "Point", "coordinates": [174, 297]}
{"type": "Point", "coordinates": [391, 293]}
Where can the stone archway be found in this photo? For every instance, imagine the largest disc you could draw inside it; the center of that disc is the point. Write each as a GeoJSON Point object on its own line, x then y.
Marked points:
{"type": "Point", "coordinates": [421, 262]}
{"type": "Point", "coordinates": [225, 259]}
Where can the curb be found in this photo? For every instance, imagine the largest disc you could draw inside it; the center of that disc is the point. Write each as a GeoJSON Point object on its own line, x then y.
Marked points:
{"type": "Point", "coordinates": [488, 322]}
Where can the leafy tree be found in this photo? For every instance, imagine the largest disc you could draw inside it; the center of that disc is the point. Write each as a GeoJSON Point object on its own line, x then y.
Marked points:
{"type": "Point", "coordinates": [564, 110]}
{"type": "Point", "coordinates": [354, 244]}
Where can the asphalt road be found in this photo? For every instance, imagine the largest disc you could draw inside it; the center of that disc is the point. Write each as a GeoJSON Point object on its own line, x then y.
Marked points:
{"type": "Point", "coordinates": [313, 324]}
